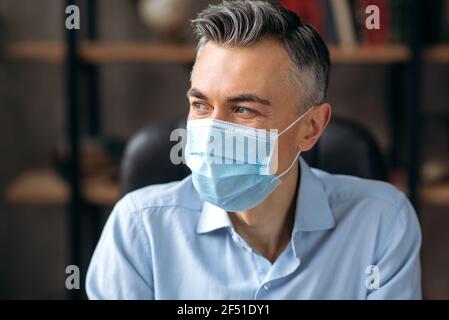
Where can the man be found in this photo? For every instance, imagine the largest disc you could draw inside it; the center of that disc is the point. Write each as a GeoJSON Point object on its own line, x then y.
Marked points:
{"type": "Point", "coordinates": [258, 230]}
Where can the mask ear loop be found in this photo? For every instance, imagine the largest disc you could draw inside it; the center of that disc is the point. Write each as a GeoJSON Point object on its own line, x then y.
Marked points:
{"type": "Point", "coordinates": [299, 152]}
{"type": "Point", "coordinates": [296, 121]}
{"type": "Point", "coordinates": [289, 168]}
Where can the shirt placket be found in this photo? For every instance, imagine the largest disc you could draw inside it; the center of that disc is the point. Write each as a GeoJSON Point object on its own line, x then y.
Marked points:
{"type": "Point", "coordinates": [267, 273]}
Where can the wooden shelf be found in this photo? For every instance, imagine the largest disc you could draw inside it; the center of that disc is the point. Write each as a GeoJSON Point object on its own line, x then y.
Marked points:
{"type": "Point", "coordinates": [122, 52]}
{"type": "Point", "coordinates": [437, 54]}
{"type": "Point", "coordinates": [136, 52]}
{"type": "Point", "coordinates": [132, 52]}
{"type": "Point", "coordinates": [102, 53]}
{"type": "Point", "coordinates": [46, 187]}
{"type": "Point", "coordinates": [53, 52]}
{"type": "Point", "coordinates": [101, 192]}
{"type": "Point", "coordinates": [370, 54]}
{"type": "Point", "coordinates": [436, 195]}
{"type": "Point", "coordinates": [40, 186]}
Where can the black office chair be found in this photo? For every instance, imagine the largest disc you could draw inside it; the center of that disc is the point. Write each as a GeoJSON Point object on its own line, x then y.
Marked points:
{"type": "Point", "coordinates": [344, 148]}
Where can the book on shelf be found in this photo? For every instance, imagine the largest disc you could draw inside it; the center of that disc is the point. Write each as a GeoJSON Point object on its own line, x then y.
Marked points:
{"type": "Point", "coordinates": [330, 32]}
{"type": "Point", "coordinates": [343, 22]}
{"type": "Point", "coordinates": [374, 36]}
{"type": "Point", "coordinates": [310, 11]}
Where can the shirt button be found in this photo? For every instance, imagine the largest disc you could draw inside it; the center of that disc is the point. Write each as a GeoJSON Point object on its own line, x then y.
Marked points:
{"type": "Point", "coordinates": [266, 286]}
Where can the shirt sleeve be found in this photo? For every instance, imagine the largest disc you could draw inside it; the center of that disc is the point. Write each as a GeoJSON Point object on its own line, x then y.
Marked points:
{"type": "Point", "coordinates": [121, 266]}
{"type": "Point", "coordinates": [398, 259]}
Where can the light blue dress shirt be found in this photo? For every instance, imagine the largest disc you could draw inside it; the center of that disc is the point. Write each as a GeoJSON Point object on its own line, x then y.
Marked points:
{"type": "Point", "coordinates": [352, 239]}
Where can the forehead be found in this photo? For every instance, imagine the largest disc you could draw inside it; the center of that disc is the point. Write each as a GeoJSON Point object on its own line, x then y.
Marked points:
{"type": "Point", "coordinates": [264, 65]}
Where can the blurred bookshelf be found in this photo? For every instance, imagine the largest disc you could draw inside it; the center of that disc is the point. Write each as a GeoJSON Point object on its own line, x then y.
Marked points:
{"type": "Point", "coordinates": [45, 186]}
{"type": "Point", "coordinates": [138, 52]}
{"type": "Point", "coordinates": [35, 51]}
{"type": "Point", "coordinates": [50, 188]}
{"type": "Point", "coordinates": [348, 44]}
{"type": "Point", "coordinates": [102, 52]}
{"type": "Point", "coordinates": [437, 53]}
{"type": "Point", "coordinates": [400, 46]}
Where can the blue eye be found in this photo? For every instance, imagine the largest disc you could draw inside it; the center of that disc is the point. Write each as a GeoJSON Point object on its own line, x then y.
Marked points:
{"type": "Point", "coordinates": [199, 106]}
{"type": "Point", "coordinates": [243, 110]}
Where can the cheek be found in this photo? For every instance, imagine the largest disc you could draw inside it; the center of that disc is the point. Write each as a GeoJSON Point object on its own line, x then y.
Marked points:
{"type": "Point", "coordinates": [191, 114]}
{"type": "Point", "coordinates": [287, 149]}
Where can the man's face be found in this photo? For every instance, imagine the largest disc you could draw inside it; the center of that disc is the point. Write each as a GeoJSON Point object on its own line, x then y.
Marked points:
{"type": "Point", "coordinates": [250, 86]}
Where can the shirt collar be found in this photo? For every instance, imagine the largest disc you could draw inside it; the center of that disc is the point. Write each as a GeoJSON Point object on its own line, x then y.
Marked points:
{"type": "Point", "coordinates": [312, 208]}
{"type": "Point", "coordinates": [313, 212]}
{"type": "Point", "coordinates": [212, 218]}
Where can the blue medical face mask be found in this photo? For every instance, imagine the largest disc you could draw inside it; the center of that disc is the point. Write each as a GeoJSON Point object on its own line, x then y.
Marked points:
{"type": "Point", "coordinates": [232, 165]}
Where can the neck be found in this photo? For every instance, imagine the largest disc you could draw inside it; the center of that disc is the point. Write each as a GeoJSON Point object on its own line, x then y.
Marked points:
{"type": "Point", "coordinates": [267, 228]}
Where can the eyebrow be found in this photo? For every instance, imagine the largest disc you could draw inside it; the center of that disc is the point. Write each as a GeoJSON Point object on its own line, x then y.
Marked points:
{"type": "Point", "coordinates": [195, 93]}
{"type": "Point", "coordinates": [244, 97]}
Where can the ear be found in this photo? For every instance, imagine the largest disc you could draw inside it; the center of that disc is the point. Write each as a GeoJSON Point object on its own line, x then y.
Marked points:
{"type": "Point", "coordinates": [314, 125]}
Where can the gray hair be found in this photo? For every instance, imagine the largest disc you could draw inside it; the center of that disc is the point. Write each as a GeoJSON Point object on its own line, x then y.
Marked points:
{"type": "Point", "coordinates": [242, 23]}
